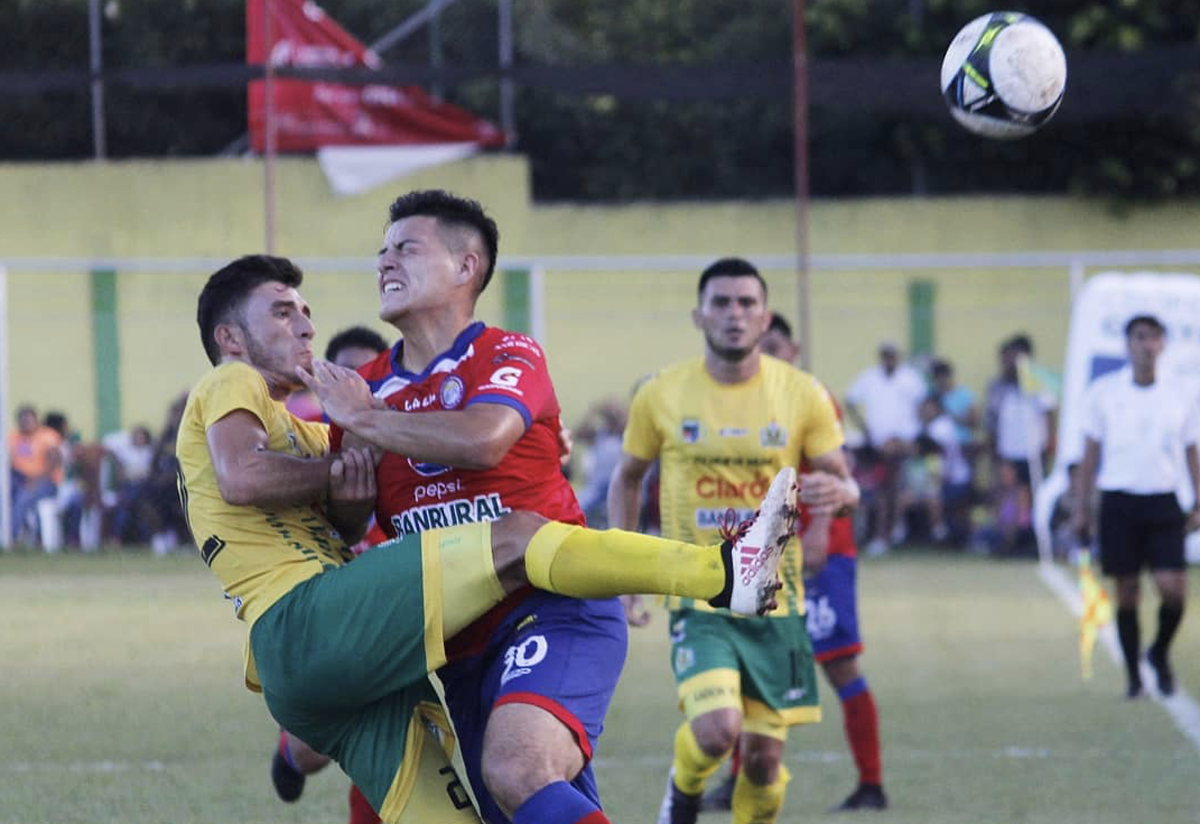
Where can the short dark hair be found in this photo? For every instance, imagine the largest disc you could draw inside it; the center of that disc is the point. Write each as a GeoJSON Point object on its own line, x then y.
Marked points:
{"type": "Point", "coordinates": [224, 295]}
{"type": "Point", "coordinates": [730, 267]}
{"type": "Point", "coordinates": [941, 367]}
{"type": "Point", "coordinates": [359, 336]}
{"type": "Point", "coordinates": [56, 421]}
{"type": "Point", "coordinates": [455, 212]}
{"type": "Point", "coordinates": [779, 324]}
{"type": "Point", "coordinates": [1020, 343]}
{"type": "Point", "coordinates": [1148, 320]}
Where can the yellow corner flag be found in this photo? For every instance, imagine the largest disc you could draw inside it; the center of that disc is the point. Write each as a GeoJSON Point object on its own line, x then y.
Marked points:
{"type": "Point", "coordinates": [1097, 611]}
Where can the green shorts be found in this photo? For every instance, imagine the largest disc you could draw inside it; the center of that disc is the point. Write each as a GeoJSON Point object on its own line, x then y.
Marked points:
{"type": "Point", "coordinates": [343, 659]}
{"type": "Point", "coordinates": [761, 667]}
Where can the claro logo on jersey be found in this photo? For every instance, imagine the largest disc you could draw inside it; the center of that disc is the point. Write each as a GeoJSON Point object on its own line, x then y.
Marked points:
{"type": "Point", "coordinates": [449, 513]}
{"type": "Point", "coordinates": [709, 486]}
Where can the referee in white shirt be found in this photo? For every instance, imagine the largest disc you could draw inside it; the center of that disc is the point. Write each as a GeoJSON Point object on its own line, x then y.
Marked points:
{"type": "Point", "coordinates": [1136, 428]}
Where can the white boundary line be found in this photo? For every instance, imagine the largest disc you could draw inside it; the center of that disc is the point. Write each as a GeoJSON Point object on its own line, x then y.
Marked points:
{"type": "Point", "coordinates": [1184, 711]}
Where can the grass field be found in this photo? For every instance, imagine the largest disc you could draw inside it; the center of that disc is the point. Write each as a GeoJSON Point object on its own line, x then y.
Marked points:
{"type": "Point", "coordinates": [121, 701]}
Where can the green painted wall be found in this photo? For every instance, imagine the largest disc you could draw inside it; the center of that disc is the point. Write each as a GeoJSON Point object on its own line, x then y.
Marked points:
{"type": "Point", "coordinates": [603, 329]}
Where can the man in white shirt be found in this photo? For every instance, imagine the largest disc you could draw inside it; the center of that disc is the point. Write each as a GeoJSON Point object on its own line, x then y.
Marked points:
{"type": "Point", "coordinates": [1136, 428]}
{"type": "Point", "coordinates": [882, 402]}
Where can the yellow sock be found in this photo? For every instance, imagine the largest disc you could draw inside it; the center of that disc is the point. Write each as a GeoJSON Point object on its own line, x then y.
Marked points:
{"type": "Point", "coordinates": [753, 804]}
{"type": "Point", "coordinates": [693, 765]}
{"type": "Point", "coordinates": [586, 563]}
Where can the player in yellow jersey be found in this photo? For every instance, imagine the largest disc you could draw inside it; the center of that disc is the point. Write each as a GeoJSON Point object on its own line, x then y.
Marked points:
{"type": "Point", "coordinates": [342, 651]}
{"type": "Point", "coordinates": [722, 426]}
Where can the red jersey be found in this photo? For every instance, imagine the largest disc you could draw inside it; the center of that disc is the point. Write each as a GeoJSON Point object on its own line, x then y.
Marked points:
{"type": "Point", "coordinates": [841, 530]}
{"type": "Point", "coordinates": [484, 365]}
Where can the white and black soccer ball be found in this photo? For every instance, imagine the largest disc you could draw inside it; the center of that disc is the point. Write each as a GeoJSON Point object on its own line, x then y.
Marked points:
{"type": "Point", "coordinates": [1004, 75]}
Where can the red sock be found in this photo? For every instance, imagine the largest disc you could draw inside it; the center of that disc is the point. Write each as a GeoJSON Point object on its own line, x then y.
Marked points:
{"type": "Point", "coordinates": [361, 811]}
{"type": "Point", "coordinates": [862, 734]}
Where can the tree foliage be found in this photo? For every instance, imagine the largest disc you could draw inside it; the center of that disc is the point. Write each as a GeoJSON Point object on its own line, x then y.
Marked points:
{"type": "Point", "coordinates": [611, 139]}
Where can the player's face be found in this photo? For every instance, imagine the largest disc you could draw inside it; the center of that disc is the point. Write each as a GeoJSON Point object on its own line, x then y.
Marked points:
{"type": "Point", "coordinates": [732, 315]}
{"type": "Point", "coordinates": [277, 336]}
{"type": "Point", "coordinates": [778, 345]}
{"type": "Point", "coordinates": [417, 270]}
{"type": "Point", "coordinates": [1145, 344]}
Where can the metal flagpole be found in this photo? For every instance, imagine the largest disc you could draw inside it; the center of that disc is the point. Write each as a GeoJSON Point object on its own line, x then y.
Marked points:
{"type": "Point", "coordinates": [269, 123]}
{"type": "Point", "coordinates": [95, 48]}
{"type": "Point", "coordinates": [6, 524]}
{"type": "Point", "coordinates": [800, 140]}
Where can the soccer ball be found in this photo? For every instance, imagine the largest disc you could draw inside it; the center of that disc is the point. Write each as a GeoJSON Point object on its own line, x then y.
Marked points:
{"type": "Point", "coordinates": [1004, 75]}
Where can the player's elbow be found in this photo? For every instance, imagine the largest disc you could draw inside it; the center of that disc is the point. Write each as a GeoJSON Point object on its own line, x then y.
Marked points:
{"type": "Point", "coordinates": [478, 455]}
{"type": "Point", "coordinates": [234, 493]}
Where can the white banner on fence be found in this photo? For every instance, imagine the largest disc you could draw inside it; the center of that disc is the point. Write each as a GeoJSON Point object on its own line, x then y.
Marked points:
{"type": "Point", "coordinates": [1096, 345]}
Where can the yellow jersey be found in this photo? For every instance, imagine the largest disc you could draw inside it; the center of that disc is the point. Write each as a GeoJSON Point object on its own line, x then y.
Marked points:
{"type": "Point", "coordinates": [720, 446]}
{"type": "Point", "coordinates": [257, 554]}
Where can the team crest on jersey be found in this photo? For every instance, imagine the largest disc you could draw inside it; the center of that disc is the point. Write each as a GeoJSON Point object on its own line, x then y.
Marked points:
{"type": "Point", "coordinates": [772, 435]}
{"type": "Point", "coordinates": [452, 392]}
{"type": "Point", "coordinates": [690, 430]}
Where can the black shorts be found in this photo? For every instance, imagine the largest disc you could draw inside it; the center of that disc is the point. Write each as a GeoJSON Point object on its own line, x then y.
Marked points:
{"type": "Point", "coordinates": [1138, 531]}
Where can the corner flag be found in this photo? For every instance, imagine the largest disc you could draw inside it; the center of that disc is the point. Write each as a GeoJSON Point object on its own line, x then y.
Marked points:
{"type": "Point", "coordinates": [1097, 611]}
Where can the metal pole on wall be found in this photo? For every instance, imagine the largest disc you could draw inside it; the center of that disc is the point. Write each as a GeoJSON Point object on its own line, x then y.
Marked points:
{"type": "Point", "coordinates": [6, 524]}
{"type": "Point", "coordinates": [270, 149]}
{"type": "Point", "coordinates": [508, 120]}
{"type": "Point", "coordinates": [800, 138]}
{"type": "Point", "coordinates": [96, 65]}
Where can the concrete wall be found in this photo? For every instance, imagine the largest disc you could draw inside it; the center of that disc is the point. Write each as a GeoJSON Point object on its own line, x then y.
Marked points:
{"type": "Point", "coordinates": [603, 329]}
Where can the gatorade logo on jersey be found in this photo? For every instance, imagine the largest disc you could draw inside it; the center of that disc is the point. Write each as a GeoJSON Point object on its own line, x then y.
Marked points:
{"type": "Point", "coordinates": [508, 376]}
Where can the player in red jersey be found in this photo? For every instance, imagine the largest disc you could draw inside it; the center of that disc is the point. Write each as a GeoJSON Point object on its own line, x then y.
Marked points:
{"type": "Point", "coordinates": [832, 617]}
{"type": "Point", "coordinates": [470, 432]}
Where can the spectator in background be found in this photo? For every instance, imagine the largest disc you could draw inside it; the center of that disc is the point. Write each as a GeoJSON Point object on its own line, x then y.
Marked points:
{"type": "Point", "coordinates": [882, 402]}
{"type": "Point", "coordinates": [956, 401]}
{"type": "Point", "coordinates": [1020, 424]}
{"type": "Point", "coordinates": [601, 430]}
{"type": "Point", "coordinates": [35, 457]}
{"type": "Point", "coordinates": [163, 511]}
{"type": "Point", "coordinates": [953, 522]}
{"type": "Point", "coordinates": [133, 452]}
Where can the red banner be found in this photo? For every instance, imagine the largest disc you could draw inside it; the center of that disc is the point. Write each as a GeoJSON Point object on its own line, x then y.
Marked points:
{"type": "Point", "coordinates": [310, 114]}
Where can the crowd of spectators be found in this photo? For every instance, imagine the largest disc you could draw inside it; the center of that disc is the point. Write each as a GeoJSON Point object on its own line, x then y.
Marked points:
{"type": "Point", "coordinates": [120, 491]}
{"type": "Point", "coordinates": [936, 468]}
{"type": "Point", "coordinates": [933, 464]}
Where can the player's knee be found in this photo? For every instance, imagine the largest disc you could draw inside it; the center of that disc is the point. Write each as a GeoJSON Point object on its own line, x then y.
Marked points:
{"type": "Point", "coordinates": [510, 538]}
{"type": "Point", "coordinates": [717, 733]}
{"type": "Point", "coordinates": [760, 766]}
{"type": "Point", "coordinates": [512, 781]}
